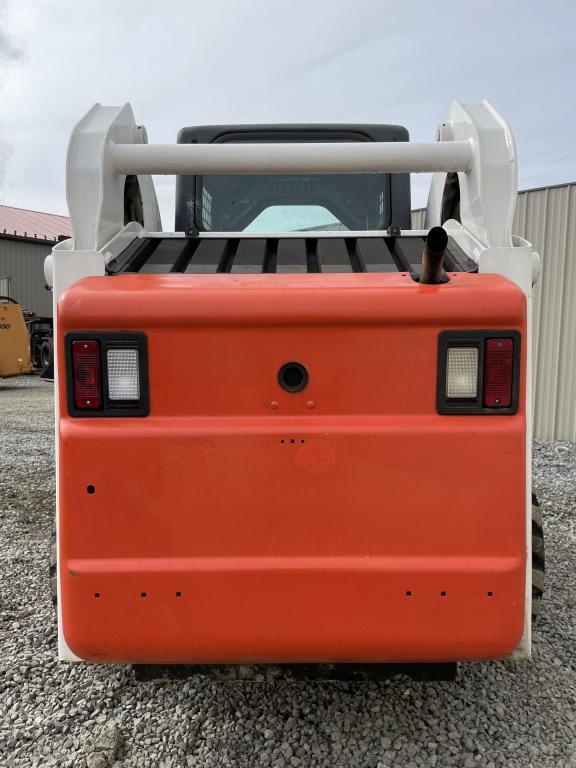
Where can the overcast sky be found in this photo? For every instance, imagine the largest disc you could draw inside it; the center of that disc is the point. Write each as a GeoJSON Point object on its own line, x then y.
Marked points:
{"type": "Point", "coordinates": [184, 62]}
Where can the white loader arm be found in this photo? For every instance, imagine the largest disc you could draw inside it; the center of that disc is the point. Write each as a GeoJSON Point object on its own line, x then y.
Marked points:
{"type": "Point", "coordinates": [99, 198]}
{"type": "Point", "coordinates": [488, 190]}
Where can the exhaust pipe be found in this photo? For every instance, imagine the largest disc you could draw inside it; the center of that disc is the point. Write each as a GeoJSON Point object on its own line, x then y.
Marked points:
{"type": "Point", "coordinates": [433, 256]}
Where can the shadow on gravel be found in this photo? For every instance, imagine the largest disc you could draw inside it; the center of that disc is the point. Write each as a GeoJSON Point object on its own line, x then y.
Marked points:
{"type": "Point", "coordinates": [4, 387]}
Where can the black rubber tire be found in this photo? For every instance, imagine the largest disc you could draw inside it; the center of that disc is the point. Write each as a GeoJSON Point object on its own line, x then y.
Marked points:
{"type": "Point", "coordinates": [45, 355]}
{"type": "Point", "coordinates": [538, 558]}
{"type": "Point", "coordinates": [53, 557]}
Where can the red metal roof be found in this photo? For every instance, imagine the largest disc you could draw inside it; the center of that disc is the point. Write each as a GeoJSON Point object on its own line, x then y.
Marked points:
{"type": "Point", "coordinates": [19, 222]}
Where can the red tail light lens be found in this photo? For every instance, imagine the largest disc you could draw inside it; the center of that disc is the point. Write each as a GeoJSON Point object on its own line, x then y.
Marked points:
{"type": "Point", "coordinates": [86, 372]}
{"type": "Point", "coordinates": [498, 373]}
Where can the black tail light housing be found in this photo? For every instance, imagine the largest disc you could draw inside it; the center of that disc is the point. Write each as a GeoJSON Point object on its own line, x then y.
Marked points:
{"type": "Point", "coordinates": [95, 365]}
{"type": "Point", "coordinates": [495, 387]}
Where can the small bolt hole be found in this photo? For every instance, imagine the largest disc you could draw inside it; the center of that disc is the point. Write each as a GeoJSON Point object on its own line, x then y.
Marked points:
{"type": "Point", "coordinates": [302, 441]}
{"type": "Point", "coordinates": [142, 594]}
{"type": "Point", "coordinates": [90, 489]}
{"type": "Point", "coordinates": [282, 441]}
{"type": "Point", "coordinates": [292, 441]}
{"type": "Point", "coordinates": [490, 594]}
{"type": "Point", "coordinates": [443, 594]}
{"type": "Point", "coordinates": [178, 594]}
{"type": "Point", "coordinates": [96, 594]}
{"type": "Point", "coordinates": [408, 593]}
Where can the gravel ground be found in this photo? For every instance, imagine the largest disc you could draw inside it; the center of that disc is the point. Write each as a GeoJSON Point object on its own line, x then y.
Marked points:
{"type": "Point", "coordinates": [52, 714]}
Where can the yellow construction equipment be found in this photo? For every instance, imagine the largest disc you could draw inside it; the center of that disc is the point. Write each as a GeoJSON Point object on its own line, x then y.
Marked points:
{"type": "Point", "coordinates": [14, 340]}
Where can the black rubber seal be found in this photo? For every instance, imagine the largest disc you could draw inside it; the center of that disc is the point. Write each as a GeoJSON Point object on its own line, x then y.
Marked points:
{"type": "Point", "coordinates": [293, 377]}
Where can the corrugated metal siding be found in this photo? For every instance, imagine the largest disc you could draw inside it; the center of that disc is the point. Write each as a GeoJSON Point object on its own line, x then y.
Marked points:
{"type": "Point", "coordinates": [418, 218]}
{"type": "Point", "coordinates": [547, 218]}
{"type": "Point", "coordinates": [23, 263]}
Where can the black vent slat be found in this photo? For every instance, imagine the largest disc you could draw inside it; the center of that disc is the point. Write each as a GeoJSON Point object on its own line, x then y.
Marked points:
{"type": "Point", "coordinates": [460, 262]}
{"type": "Point", "coordinates": [210, 257]}
{"type": "Point", "coordinates": [449, 262]}
{"type": "Point", "coordinates": [164, 257]}
{"type": "Point", "coordinates": [333, 255]}
{"type": "Point", "coordinates": [123, 261]}
{"type": "Point", "coordinates": [230, 251]}
{"type": "Point", "coordinates": [375, 255]}
{"type": "Point", "coordinates": [141, 256]}
{"type": "Point", "coordinates": [271, 254]}
{"type": "Point", "coordinates": [250, 257]}
{"type": "Point", "coordinates": [187, 253]}
{"type": "Point", "coordinates": [291, 257]}
{"type": "Point", "coordinates": [355, 261]}
{"type": "Point", "coordinates": [409, 251]}
{"type": "Point", "coordinates": [312, 254]}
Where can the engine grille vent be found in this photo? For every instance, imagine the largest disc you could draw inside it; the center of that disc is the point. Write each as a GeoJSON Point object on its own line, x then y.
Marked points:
{"type": "Point", "coordinates": [237, 255]}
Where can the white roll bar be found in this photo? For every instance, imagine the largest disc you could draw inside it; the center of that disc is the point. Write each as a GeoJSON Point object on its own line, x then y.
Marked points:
{"type": "Point", "coordinates": [107, 146]}
{"type": "Point", "coordinates": [351, 157]}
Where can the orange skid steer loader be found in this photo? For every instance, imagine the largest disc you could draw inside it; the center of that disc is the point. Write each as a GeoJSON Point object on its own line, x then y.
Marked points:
{"type": "Point", "coordinates": [293, 436]}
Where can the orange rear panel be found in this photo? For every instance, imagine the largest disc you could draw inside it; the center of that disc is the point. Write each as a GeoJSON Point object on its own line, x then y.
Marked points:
{"type": "Point", "coordinates": [238, 522]}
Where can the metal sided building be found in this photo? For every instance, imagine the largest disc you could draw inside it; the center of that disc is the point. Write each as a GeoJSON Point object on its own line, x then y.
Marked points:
{"type": "Point", "coordinates": [26, 238]}
{"type": "Point", "coordinates": [547, 218]}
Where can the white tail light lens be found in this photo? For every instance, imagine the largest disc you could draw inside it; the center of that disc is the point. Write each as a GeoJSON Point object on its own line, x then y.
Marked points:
{"type": "Point", "coordinates": [123, 374]}
{"type": "Point", "coordinates": [462, 372]}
